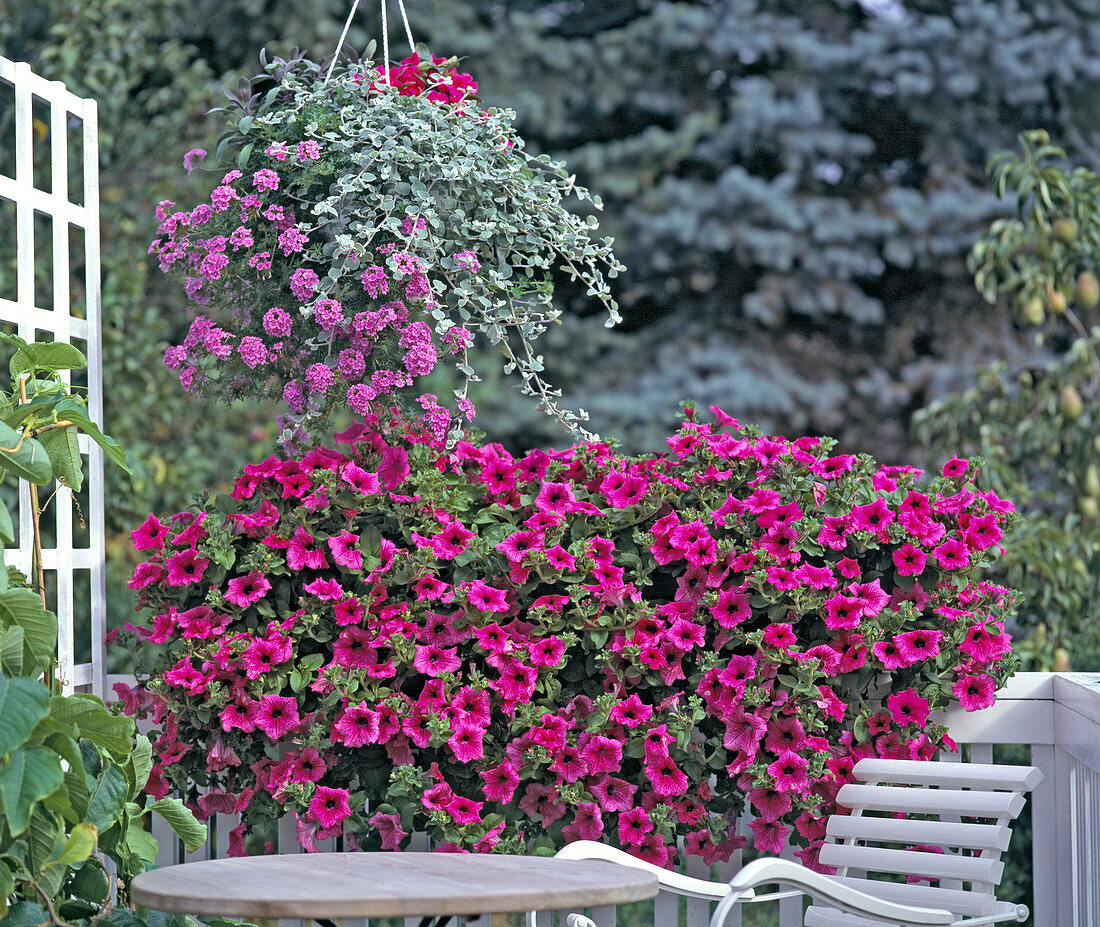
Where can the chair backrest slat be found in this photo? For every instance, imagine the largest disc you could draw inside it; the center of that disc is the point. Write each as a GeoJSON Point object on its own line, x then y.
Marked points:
{"type": "Point", "coordinates": [969, 904]}
{"type": "Point", "coordinates": [949, 775]}
{"type": "Point", "coordinates": [913, 862]}
{"type": "Point", "coordinates": [993, 837]}
{"type": "Point", "coordinates": [965, 803]}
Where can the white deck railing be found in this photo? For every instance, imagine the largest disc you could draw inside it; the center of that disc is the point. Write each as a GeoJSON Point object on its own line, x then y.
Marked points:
{"type": "Point", "coordinates": [1057, 715]}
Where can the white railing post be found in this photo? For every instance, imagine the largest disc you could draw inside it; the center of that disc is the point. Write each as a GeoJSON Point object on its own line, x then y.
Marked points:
{"type": "Point", "coordinates": [1044, 817]}
{"type": "Point", "coordinates": [67, 318]}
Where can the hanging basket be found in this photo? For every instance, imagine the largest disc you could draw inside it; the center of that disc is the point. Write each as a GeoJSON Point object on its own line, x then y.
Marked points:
{"type": "Point", "coordinates": [374, 220]}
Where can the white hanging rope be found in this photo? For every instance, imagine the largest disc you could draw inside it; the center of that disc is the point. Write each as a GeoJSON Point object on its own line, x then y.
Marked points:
{"type": "Point", "coordinates": [343, 35]}
{"type": "Point", "coordinates": [386, 44]}
{"type": "Point", "coordinates": [385, 37]}
{"type": "Point", "coordinates": [405, 20]}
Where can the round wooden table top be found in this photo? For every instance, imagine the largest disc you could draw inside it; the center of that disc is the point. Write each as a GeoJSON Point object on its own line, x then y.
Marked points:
{"type": "Point", "coordinates": [334, 885]}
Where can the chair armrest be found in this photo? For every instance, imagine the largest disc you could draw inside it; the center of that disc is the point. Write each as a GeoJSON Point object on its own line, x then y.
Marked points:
{"type": "Point", "coordinates": [669, 880]}
{"type": "Point", "coordinates": [770, 869]}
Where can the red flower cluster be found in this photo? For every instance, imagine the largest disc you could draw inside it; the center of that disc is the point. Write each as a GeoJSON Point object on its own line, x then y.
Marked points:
{"type": "Point", "coordinates": [439, 80]}
{"type": "Point", "coordinates": [509, 651]}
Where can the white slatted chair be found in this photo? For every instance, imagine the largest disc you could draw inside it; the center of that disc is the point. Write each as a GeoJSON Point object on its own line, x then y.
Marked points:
{"type": "Point", "coordinates": [931, 799]}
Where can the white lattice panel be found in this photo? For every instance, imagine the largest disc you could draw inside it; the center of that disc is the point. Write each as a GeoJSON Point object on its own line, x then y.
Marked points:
{"type": "Point", "coordinates": [49, 188]}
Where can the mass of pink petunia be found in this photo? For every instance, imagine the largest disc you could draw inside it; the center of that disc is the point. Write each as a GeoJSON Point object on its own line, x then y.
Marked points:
{"type": "Point", "coordinates": [510, 653]}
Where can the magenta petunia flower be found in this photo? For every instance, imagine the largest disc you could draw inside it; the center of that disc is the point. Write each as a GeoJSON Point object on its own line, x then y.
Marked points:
{"type": "Point", "coordinates": [983, 645]}
{"type": "Point", "coordinates": [150, 534]}
{"type": "Point", "coordinates": [818, 577]}
{"type": "Point", "coordinates": [555, 497]}
{"type": "Point", "coordinates": [302, 553]}
{"type": "Point", "coordinates": [614, 795]}
{"type": "Point", "coordinates": [834, 531]}
{"type": "Point", "coordinates": [327, 590]}
{"type": "Point", "coordinates": [345, 550]}
{"type": "Point", "coordinates": [975, 692]}
{"type": "Point", "coordinates": [240, 715]}
{"type": "Point", "coordinates": [921, 644]}
{"type": "Point", "coordinates": [145, 574]}
{"type": "Point", "coordinates": [907, 707]}
{"type": "Point", "coordinates": [731, 609]}
{"type": "Point", "coordinates": [875, 517]}
{"type": "Point", "coordinates": [360, 480]}
{"type": "Point", "coordinates": [500, 782]}
{"type": "Point", "coordinates": [357, 726]}
{"type": "Point", "coordinates": [186, 567]}
{"type": "Point", "coordinates": [451, 541]}
{"type": "Point", "coordinates": [433, 660]}
{"type": "Point", "coordinates": [517, 546]}
{"type": "Point", "coordinates": [832, 468]}
{"type": "Point", "coordinates": [952, 554]}
{"type": "Point", "coordinates": [602, 754]}
{"type": "Point", "coordinates": [587, 823]}
{"type": "Point", "coordinates": [956, 466]}
{"type": "Point", "coordinates": [667, 778]}
{"type": "Point", "coordinates": [632, 712]}
{"type": "Point", "coordinates": [464, 810]}
{"type": "Point", "coordinates": [516, 682]}
{"type": "Point", "coordinates": [355, 647]}
{"type": "Point", "coordinates": [389, 829]}
{"type": "Point", "coordinates": [910, 560]}
{"type": "Point", "coordinates": [248, 589]}
{"type": "Point", "coordinates": [842, 612]}
{"type": "Point", "coordinates": [633, 826]}
{"type": "Point", "coordinates": [485, 598]}
{"type": "Point", "coordinates": [790, 772]}
{"type": "Point", "coordinates": [277, 715]}
{"type": "Point", "coordinates": [348, 611]}
{"type": "Point", "coordinates": [889, 655]}
{"type": "Point", "coordinates": [769, 836]}
{"type": "Point", "coordinates": [329, 806]}
{"type": "Point", "coordinates": [393, 469]}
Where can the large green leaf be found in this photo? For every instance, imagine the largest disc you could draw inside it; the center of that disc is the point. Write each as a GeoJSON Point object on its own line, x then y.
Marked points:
{"type": "Point", "coordinates": [23, 607]}
{"type": "Point", "coordinates": [76, 784]}
{"type": "Point", "coordinates": [122, 917]}
{"type": "Point", "coordinates": [79, 846]}
{"type": "Point", "coordinates": [23, 703]}
{"type": "Point", "coordinates": [26, 914]}
{"type": "Point", "coordinates": [183, 823]}
{"type": "Point", "coordinates": [23, 456]}
{"type": "Point", "coordinates": [30, 776]}
{"type": "Point", "coordinates": [45, 837]}
{"type": "Point", "coordinates": [140, 842]}
{"type": "Point", "coordinates": [76, 777]}
{"type": "Point", "coordinates": [7, 529]}
{"type": "Point", "coordinates": [54, 355]}
{"type": "Point", "coordinates": [7, 886]}
{"type": "Point", "coordinates": [107, 799]}
{"type": "Point", "coordinates": [95, 722]}
{"type": "Point", "coordinates": [64, 454]}
{"type": "Point", "coordinates": [71, 410]}
{"type": "Point", "coordinates": [11, 650]}
{"type": "Point", "coordinates": [140, 764]}
{"type": "Point", "coordinates": [38, 405]}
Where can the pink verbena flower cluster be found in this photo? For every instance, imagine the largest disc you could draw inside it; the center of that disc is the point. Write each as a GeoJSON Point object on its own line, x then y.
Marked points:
{"type": "Point", "coordinates": [511, 653]}
{"type": "Point", "coordinates": [288, 338]}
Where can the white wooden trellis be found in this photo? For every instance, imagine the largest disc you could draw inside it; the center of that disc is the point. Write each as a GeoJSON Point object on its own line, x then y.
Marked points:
{"type": "Point", "coordinates": [66, 122]}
